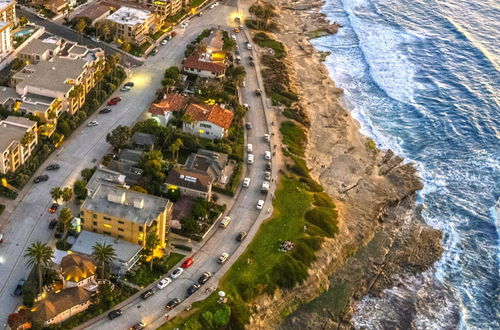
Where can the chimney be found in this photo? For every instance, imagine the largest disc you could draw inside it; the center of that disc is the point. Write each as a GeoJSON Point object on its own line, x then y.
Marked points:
{"type": "Point", "coordinates": [139, 203]}
{"type": "Point", "coordinates": [118, 197]}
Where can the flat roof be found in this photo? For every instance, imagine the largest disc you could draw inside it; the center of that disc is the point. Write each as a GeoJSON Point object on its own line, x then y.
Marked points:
{"type": "Point", "coordinates": [8, 93]}
{"type": "Point", "coordinates": [103, 175]}
{"type": "Point", "coordinates": [127, 204]}
{"type": "Point", "coordinates": [11, 132]}
{"type": "Point", "coordinates": [59, 70]}
{"type": "Point", "coordinates": [124, 250]}
{"type": "Point", "coordinates": [129, 16]}
{"type": "Point", "coordinates": [37, 46]}
{"type": "Point", "coordinates": [5, 3]}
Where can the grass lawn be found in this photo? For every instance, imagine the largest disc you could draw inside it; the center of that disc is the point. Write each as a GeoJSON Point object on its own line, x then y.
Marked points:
{"type": "Point", "coordinates": [264, 41]}
{"type": "Point", "coordinates": [293, 136]}
{"type": "Point", "coordinates": [143, 276]}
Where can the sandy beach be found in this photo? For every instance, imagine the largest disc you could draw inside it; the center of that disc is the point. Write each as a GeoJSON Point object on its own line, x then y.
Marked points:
{"type": "Point", "coordinates": [373, 190]}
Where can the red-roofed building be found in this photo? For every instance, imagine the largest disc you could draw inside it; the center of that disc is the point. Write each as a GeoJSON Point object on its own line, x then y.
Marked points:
{"type": "Point", "coordinates": [163, 110]}
{"type": "Point", "coordinates": [208, 121]}
{"type": "Point", "coordinates": [202, 65]}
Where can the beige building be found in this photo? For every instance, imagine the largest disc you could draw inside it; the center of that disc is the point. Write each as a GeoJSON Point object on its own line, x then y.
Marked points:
{"type": "Point", "coordinates": [133, 25]}
{"type": "Point", "coordinates": [12, 152]}
{"type": "Point", "coordinates": [40, 50]}
{"type": "Point", "coordinates": [164, 8]}
{"type": "Point", "coordinates": [67, 76]}
{"type": "Point", "coordinates": [125, 214]}
{"type": "Point", "coordinates": [7, 22]}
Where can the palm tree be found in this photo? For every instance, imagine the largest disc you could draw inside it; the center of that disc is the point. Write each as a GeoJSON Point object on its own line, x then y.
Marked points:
{"type": "Point", "coordinates": [175, 147]}
{"type": "Point", "coordinates": [80, 27]}
{"type": "Point", "coordinates": [56, 194]}
{"type": "Point", "coordinates": [103, 254]}
{"type": "Point", "coordinates": [67, 194]}
{"type": "Point", "coordinates": [39, 256]}
{"type": "Point", "coordinates": [65, 218]}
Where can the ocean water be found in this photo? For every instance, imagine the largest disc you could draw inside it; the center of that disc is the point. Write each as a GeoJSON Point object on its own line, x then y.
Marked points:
{"type": "Point", "coordinates": [423, 78]}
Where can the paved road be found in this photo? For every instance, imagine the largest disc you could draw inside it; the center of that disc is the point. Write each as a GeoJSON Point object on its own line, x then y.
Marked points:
{"type": "Point", "coordinates": [71, 35]}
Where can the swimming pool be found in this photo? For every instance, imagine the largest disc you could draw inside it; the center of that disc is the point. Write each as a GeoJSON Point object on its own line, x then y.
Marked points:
{"type": "Point", "coordinates": [23, 33]}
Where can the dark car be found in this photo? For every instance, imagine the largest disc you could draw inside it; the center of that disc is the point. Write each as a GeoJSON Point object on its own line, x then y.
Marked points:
{"type": "Point", "coordinates": [58, 235]}
{"type": "Point", "coordinates": [105, 110]}
{"type": "Point", "coordinates": [250, 58]}
{"type": "Point", "coordinates": [114, 100]}
{"type": "Point", "coordinates": [193, 288]}
{"type": "Point", "coordinates": [53, 167]}
{"type": "Point", "coordinates": [52, 224]}
{"type": "Point", "coordinates": [139, 326]}
{"type": "Point", "coordinates": [258, 92]}
{"type": "Point", "coordinates": [268, 166]}
{"type": "Point", "coordinates": [204, 277]}
{"type": "Point", "coordinates": [252, 63]}
{"type": "Point", "coordinates": [172, 303]}
{"type": "Point", "coordinates": [241, 236]}
{"type": "Point", "coordinates": [41, 178]}
{"type": "Point", "coordinates": [53, 208]}
{"type": "Point", "coordinates": [129, 84]}
{"type": "Point", "coordinates": [146, 294]}
{"type": "Point", "coordinates": [114, 314]}
{"type": "Point", "coordinates": [19, 288]}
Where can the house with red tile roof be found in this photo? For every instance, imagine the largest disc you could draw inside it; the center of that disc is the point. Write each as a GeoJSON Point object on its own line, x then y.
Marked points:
{"type": "Point", "coordinates": [208, 121]}
{"type": "Point", "coordinates": [201, 64]}
{"type": "Point", "coordinates": [163, 111]}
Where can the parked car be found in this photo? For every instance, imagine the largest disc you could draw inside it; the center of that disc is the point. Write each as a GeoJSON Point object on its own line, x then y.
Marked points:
{"type": "Point", "coordinates": [114, 100]}
{"type": "Point", "coordinates": [125, 89]}
{"type": "Point", "coordinates": [249, 147]}
{"type": "Point", "coordinates": [225, 222]}
{"type": "Point", "coordinates": [246, 106]}
{"type": "Point", "coordinates": [250, 58]}
{"type": "Point", "coordinates": [146, 294]}
{"type": "Point", "coordinates": [41, 178]}
{"type": "Point", "coordinates": [187, 263]}
{"type": "Point", "coordinates": [248, 125]}
{"type": "Point", "coordinates": [268, 166]}
{"type": "Point", "coordinates": [53, 167]}
{"type": "Point", "coordinates": [139, 326]}
{"type": "Point", "coordinates": [172, 303]}
{"type": "Point", "coordinates": [260, 204]}
{"type": "Point", "coordinates": [267, 175]}
{"type": "Point", "coordinates": [243, 84]}
{"type": "Point", "coordinates": [236, 30]}
{"type": "Point", "coordinates": [246, 182]}
{"type": "Point", "coordinates": [193, 288]}
{"type": "Point", "coordinates": [233, 37]}
{"type": "Point", "coordinates": [93, 123]}
{"type": "Point", "coordinates": [177, 272]}
{"type": "Point", "coordinates": [129, 84]}
{"type": "Point", "coordinates": [241, 236]}
{"type": "Point", "coordinates": [199, 14]}
{"type": "Point", "coordinates": [164, 42]}
{"type": "Point", "coordinates": [266, 138]}
{"type": "Point", "coordinates": [173, 34]}
{"type": "Point", "coordinates": [19, 288]}
{"type": "Point", "coordinates": [252, 63]}
{"type": "Point", "coordinates": [163, 283]}
{"type": "Point", "coordinates": [265, 187]}
{"type": "Point", "coordinates": [258, 92]}
{"type": "Point", "coordinates": [94, 39]}
{"type": "Point", "coordinates": [237, 51]}
{"type": "Point", "coordinates": [52, 223]}
{"type": "Point", "coordinates": [115, 313]}
{"type": "Point", "coordinates": [58, 235]}
{"type": "Point", "coordinates": [222, 258]}
{"type": "Point", "coordinates": [53, 208]}
{"type": "Point", "coordinates": [250, 159]}
{"type": "Point", "coordinates": [267, 155]}
{"type": "Point", "coordinates": [204, 278]}
{"type": "Point", "coordinates": [249, 46]}
{"type": "Point", "coordinates": [105, 110]}
{"type": "Point", "coordinates": [184, 25]}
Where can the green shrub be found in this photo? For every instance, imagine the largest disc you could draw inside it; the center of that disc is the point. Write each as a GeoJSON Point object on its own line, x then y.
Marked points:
{"type": "Point", "coordinates": [63, 245]}
{"type": "Point", "coordinates": [312, 185]}
{"type": "Point", "coordinates": [324, 218]}
{"type": "Point", "coordinates": [303, 253]}
{"type": "Point", "coordinates": [182, 247]}
{"type": "Point", "coordinates": [294, 137]}
{"type": "Point", "coordinates": [322, 199]}
{"type": "Point", "coordinates": [221, 316]}
{"type": "Point", "coordinates": [289, 273]}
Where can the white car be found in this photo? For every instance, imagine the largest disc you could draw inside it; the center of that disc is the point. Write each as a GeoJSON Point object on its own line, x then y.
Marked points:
{"type": "Point", "coordinates": [267, 137]}
{"type": "Point", "coordinates": [164, 42]}
{"type": "Point", "coordinates": [260, 204]}
{"type": "Point", "coordinates": [267, 176]}
{"type": "Point", "coordinates": [267, 155]}
{"type": "Point", "coordinates": [246, 182]}
{"type": "Point", "coordinates": [233, 37]}
{"type": "Point", "coordinates": [184, 25]}
{"type": "Point", "coordinates": [177, 272]}
{"type": "Point", "coordinates": [222, 258]}
{"type": "Point", "coordinates": [249, 148]}
{"type": "Point", "coordinates": [163, 283]}
{"type": "Point", "coordinates": [250, 159]}
{"type": "Point", "coordinates": [246, 106]}
{"type": "Point", "coordinates": [92, 123]}
{"type": "Point", "coordinates": [249, 46]}
{"type": "Point", "coordinates": [125, 88]}
{"type": "Point", "coordinates": [94, 39]}
{"type": "Point", "coordinates": [243, 83]}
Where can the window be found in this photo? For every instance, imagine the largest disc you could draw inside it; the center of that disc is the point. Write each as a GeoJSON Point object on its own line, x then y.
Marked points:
{"type": "Point", "coordinates": [95, 223]}
{"type": "Point", "coordinates": [107, 218]}
{"type": "Point", "coordinates": [107, 226]}
{"type": "Point", "coordinates": [205, 125]}
{"type": "Point", "coordinates": [121, 229]}
{"type": "Point", "coordinates": [106, 233]}
{"type": "Point", "coordinates": [95, 216]}
{"type": "Point", "coordinates": [121, 222]}
{"type": "Point", "coordinates": [82, 220]}
{"type": "Point", "coordinates": [140, 242]}
{"type": "Point", "coordinates": [94, 230]}
{"type": "Point", "coordinates": [140, 228]}
{"type": "Point", "coordinates": [82, 213]}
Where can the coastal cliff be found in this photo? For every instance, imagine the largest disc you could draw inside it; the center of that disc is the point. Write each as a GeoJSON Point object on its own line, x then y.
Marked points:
{"type": "Point", "coordinates": [380, 234]}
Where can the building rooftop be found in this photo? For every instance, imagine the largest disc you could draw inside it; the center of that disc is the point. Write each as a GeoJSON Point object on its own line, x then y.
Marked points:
{"type": "Point", "coordinates": [104, 175]}
{"type": "Point", "coordinates": [38, 46]}
{"type": "Point", "coordinates": [190, 179]}
{"type": "Point", "coordinates": [19, 121]}
{"type": "Point", "coordinates": [143, 139]}
{"type": "Point", "coordinates": [94, 11]}
{"type": "Point", "coordinates": [210, 162]}
{"type": "Point", "coordinates": [7, 93]}
{"type": "Point", "coordinates": [171, 102]}
{"type": "Point", "coordinates": [59, 69]}
{"type": "Point", "coordinates": [202, 62]}
{"type": "Point", "coordinates": [56, 303]}
{"type": "Point", "coordinates": [34, 102]}
{"type": "Point", "coordinates": [211, 113]}
{"type": "Point", "coordinates": [5, 3]}
{"type": "Point", "coordinates": [215, 41]}
{"type": "Point", "coordinates": [127, 204]}
{"type": "Point", "coordinates": [124, 250]}
{"type": "Point", "coordinates": [76, 267]}
{"type": "Point", "coordinates": [129, 16]}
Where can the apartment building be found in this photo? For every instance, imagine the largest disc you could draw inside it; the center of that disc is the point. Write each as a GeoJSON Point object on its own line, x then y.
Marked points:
{"type": "Point", "coordinates": [66, 76]}
{"type": "Point", "coordinates": [125, 214]}
{"type": "Point", "coordinates": [7, 22]}
{"type": "Point", "coordinates": [41, 50]}
{"type": "Point", "coordinates": [164, 8]}
{"type": "Point", "coordinates": [133, 25]}
{"type": "Point", "coordinates": [8, 12]}
{"type": "Point", "coordinates": [12, 152]}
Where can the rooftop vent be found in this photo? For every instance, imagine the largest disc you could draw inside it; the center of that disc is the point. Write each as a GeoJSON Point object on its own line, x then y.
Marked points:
{"type": "Point", "coordinates": [117, 197]}
{"type": "Point", "coordinates": [139, 203]}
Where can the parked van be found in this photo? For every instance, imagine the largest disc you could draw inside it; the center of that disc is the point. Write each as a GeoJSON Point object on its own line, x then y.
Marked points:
{"type": "Point", "coordinates": [225, 222]}
{"type": "Point", "coordinates": [249, 147]}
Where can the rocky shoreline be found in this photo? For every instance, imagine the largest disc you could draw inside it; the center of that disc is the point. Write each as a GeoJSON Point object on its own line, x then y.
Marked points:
{"type": "Point", "coordinates": [381, 234]}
